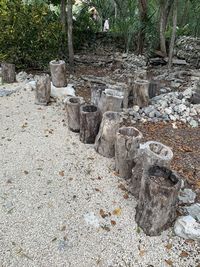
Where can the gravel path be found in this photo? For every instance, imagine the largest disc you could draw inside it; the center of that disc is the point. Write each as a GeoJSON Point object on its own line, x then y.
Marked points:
{"type": "Point", "coordinates": [62, 205]}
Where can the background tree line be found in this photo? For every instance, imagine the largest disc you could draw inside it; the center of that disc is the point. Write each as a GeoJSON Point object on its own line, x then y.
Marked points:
{"type": "Point", "coordinates": [32, 32]}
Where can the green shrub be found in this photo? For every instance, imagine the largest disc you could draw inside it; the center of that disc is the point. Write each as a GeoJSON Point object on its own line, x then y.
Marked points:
{"type": "Point", "coordinates": [30, 34]}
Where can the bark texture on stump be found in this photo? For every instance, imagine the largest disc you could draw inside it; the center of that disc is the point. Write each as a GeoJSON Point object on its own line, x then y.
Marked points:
{"type": "Point", "coordinates": [149, 154]}
{"type": "Point", "coordinates": [156, 209]}
{"type": "Point", "coordinates": [58, 73]}
{"type": "Point", "coordinates": [126, 146]}
{"type": "Point", "coordinates": [90, 119]}
{"type": "Point", "coordinates": [141, 93]}
{"type": "Point", "coordinates": [73, 113]}
{"type": "Point", "coordinates": [111, 100]}
{"type": "Point", "coordinates": [43, 90]}
{"type": "Point", "coordinates": [96, 92]}
{"type": "Point", "coordinates": [154, 86]}
{"type": "Point", "coordinates": [8, 73]}
{"type": "Point", "coordinates": [105, 140]}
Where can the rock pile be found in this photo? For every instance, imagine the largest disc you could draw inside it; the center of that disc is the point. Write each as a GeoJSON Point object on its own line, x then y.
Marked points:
{"type": "Point", "coordinates": [188, 48]}
{"type": "Point", "coordinates": [129, 61]}
{"type": "Point", "coordinates": [173, 106]}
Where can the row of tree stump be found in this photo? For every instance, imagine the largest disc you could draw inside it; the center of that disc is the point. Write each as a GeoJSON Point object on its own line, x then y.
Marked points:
{"type": "Point", "coordinates": [138, 91]}
{"type": "Point", "coordinates": [154, 185]}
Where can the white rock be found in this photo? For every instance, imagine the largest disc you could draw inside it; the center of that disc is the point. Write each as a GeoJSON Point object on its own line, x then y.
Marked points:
{"type": "Point", "coordinates": [168, 111]}
{"type": "Point", "coordinates": [62, 91]}
{"type": "Point", "coordinates": [194, 124]}
{"type": "Point", "coordinates": [188, 92]}
{"type": "Point", "coordinates": [21, 76]}
{"type": "Point", "coordinates": [187, 196]}
{"type": "Point", "coordinates": [173, 118]}
{"type": "Point", "coordinates": [136, 108]}
{"type": "Point", "coordinates": [32, 84]}
{"type": "Point", "coordinates": [194, 211]}
{"type": "Point", "coordinates": [187, 227]}
{"type": "Point", "coordinates": [181, 108]}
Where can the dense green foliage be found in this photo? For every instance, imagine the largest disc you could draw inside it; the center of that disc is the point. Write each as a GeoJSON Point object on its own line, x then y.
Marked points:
{"type": "Point", "coordinates": [31, 32]}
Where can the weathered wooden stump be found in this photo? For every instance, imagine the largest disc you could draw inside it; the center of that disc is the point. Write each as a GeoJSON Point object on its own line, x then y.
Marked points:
{"type": "Point", "coordinates": [149, 154]}
{"type": "Point", "coordinates": [154, 87]}
{"type": "Point", "coordinates": [128, 92]}
{"type": "Point", "coordinates": [126, 146]}
{"type": "Point", "coordinates": [105, 140]}
{"type": "Point", "coordinates": [43, 90]}
{"type": "Point", "coordinates": [141, 93]}
{"type": "Point", "coordinates": [58, 73]}
{"type": "Point", "coordinates": [90, 119]}
{"type": "Point", "coordinates": [73, 113]}
{"type": "Point", "coordinates": [111, 100]}
{"type": "Point", "coordinates": [8, 73]}
{"type": "Point", "coordinates": [96, 92]}
{"type": "Point", "coordinates": [156, 209]}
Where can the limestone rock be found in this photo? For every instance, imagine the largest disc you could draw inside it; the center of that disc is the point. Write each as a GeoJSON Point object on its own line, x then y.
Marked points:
{"type": "Point", "coordinates": [194, 211]}
{"type": "Point", "coordinates": [187, 196]}
{"type": "Point", "coordinates": [187, 227]}
{"type": "Point", "coordinates": [60, 92]}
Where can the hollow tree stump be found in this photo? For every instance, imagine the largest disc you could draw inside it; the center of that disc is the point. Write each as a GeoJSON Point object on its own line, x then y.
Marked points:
{"type": "Point", "coordinates": [73, 113]}
{"type": "Point", "coordinates": [126, 147]}
{"type": "Point", "coordinates": [8, 73]}
{"type": "Point", "coordinates": [96, 92]}
{"type": "Point", "coordinates": [156, 209]}
{"type": "Point", "coordinates": [43, 90]}
{"type": "Point", "coordinates": [111, 100]}
{"type": "Point", "coordinates": [149, 154]}
{"type": "Point", "coordinates": [105, 140]}
{"type": "Point", "coordinates": [154, 87]}
{"type": "Point", "coordinates": [90, 119]}
{"type": "Point", "coordinates": [141, 93]}
{"type": "Point", "coordinates": [58, 73]}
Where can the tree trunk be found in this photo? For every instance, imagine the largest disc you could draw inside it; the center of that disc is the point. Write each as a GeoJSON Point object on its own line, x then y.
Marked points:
{"type": "Point", "coordinates": [111, 100]}
{"type": "Point", "coordinates": [63, 17]}
{"type": "Point", "coordinates": [126, 147]}
{"type": "Point", "coordinates": [150, 153]}
{"type": "Point", "coordinates": [165, 7]}
{"type": "Point", "coordinates": [73, 113]}
{"type": "Point", "coordinates": [43, 90]}
{"type": "Point", "coordinates": [171, 50]}
{"type": "Point", "coordinates": [139, 74]}
{"type": "Point", "coordinates": [8, 73]}
{"type": "Point", "coordinates": [90, 119]}
{"type": "Point", "coordinates": [141, 93]}
{"type": "Point", "coordinates": [105, 140]}
{"type": "Point", "coordinates": [70, 35]}
{"type": "Point", "coordinates": [156, 209]}
{"type": "Point", "coordinates": [143, 22]}
{"type": "Point", "coordinates": [58, 73]}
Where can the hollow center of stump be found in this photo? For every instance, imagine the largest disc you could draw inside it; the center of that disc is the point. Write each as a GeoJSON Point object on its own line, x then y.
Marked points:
{"type": "Point", "coordinates": [158, 149]}
{"type": "Point", "coordinates": [162, 176]}
{"type": "Point", "coordinates": [74, 100]}
{"type": "Point", "coordinates": [129, 131]}
{"type": "Point", "coordinates": [90, 108]}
